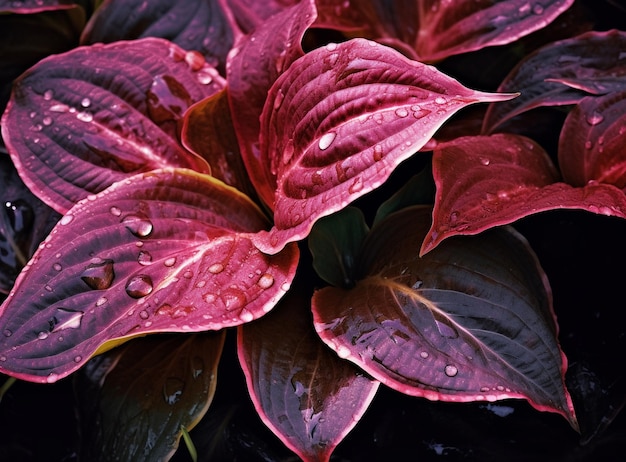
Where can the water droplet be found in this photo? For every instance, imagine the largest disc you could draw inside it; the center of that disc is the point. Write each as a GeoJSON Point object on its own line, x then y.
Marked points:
{"type": "Point", "coordinates": [86, 102]}
{"type": "Point", "coordinates": [233, 298]}
{"type": "Point", "coordinates": [42, 335]}
{"type": "Point", "coordinates": [402, 112]}
{"type": "Point", "coordinates": [326, 140]}
{"type": "Point", "coordinates": [595, 118]}
{"type": "Point", "coordinates": [216, 268]}
{"type": "Point", "coordinates": [99, 274]}
{"type": "Point", "coordinates": [195, 60]}
{"type": "Point", "coordinates": [169, 262]}
{"type": "Point", "coordinates": [451, 370]}
{"type": "Point", "coordinates": [143, 314]}
{"type": "Point", "coordinates": [101, 301]}
{"type": "Point", "coordinates": [331, 46]}
{"type": "Point", "coordinates": [84, 116]}
{"type": "Point", "coordinates": [440, 100]}
{"type": "Point", "coordinates": [57, 267]}
{"type": "Point", "coordinates": [342, 351]}
{"type": "Point", "coordinates": [144, 258]}
{"type": "Point", "coordinates": [278, 99]}
{"type": "Point", "coordinates": [139, 286]}
{"type": "Point", "coordinates": [66, 219]}
{"type": "Point", "coordinates": [115, 211]}
{"type": "Point", "coordinates": [65, 318]}
{"type": "Point", "coordinates": [48, 94]}
{"type": "Point", "coordinates": [47, 121]}
{"type": "Point", "coordinates": [138, 224]}
{"type": "Point", "coordinates": [485, 161]}
{"type": "Point", "coordinates": [378, 153]}
{"type": "Point", "coordinates": [537, 9]}
{"type": "Point", "coordinates": [52, 377]}
{"type": "Point", "coordinates": [424, 354]}
{"type": "Point", "coordinates": [188, 274]}
{"type": "Point", "coordinates": [266, 281]}
{"type": "Point", "coordinates": [173, 389]}
{"type": "Point", "coordinates": [524, 9]}
{"type": "Point", "coordinates": [356, 186]}
{"type": "Point", "coordinates": [246, 316]}
{"type": "Point", "coordinates": [78, 358]}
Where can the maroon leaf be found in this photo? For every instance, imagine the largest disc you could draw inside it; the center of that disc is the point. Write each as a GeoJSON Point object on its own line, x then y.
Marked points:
{"type": "Point", "coordinates": [485, 181]}
{"type": "Point", "coordinates": [161, 383]}
{"type": "Point", "coordinates": [249, 15]}
{"type": "Point", "coordinates": [35, 6]}
{"type": "Point", "coordinates": [306, 395]}
{"type": "Point", "coordinates": [339, 121]}
{"type": "Point", "coordinates": [168, 250]}
{"type": "Point", "coordinates": [198, 25]}
{"type": "Point", "coordinates": [108, 111]}
{"type": "Point", "coordinates": [254, 64]}
{"type": "Point", "coordinates": [591, 145]}
{"type": "Point", "coordinates": [560, 73]}
{"type": "Point", "coordinates": [470, 321]}
{"type": "Point", "coordinates": [208, 131]}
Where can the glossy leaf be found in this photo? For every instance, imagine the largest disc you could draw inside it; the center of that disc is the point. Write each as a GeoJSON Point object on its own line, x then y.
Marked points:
{"type": "Point", "coordinates": [253, 65]}
{"type": "Point", "coordinates": [208, 131]}
{"type": "Point", "coordinates": [485, 181]}
{"type": "Point", "coordinates": [198, 25]}
{"type": "Point", "coordinates": [561, 73]}
{"type": "Point", "coordinates": [306, 395]}
{"type": "Point", "coordinates": [35, 6]}
{"type": "Point", "coordinates": [165, 251]}
{"type": "Point", "coordinates": [591, 145]}
{"type": "Point", "coordinates": [470, 321]}
{"type": "Point", "coordinates": [160, 383]}
{"type": "Point", "coordinates": [80, 121]}
{"type": "Point", "coordinates": [250, 15]}
{"type": "Point", "coordinates": [371, 109]}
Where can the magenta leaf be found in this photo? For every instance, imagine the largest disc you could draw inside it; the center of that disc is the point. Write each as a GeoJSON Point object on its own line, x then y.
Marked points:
{"type": "Point", "coordinates": [208, 131]}
{"type": "Point", "coordinates": [108, 111]}
{"type": "Point", "coordinates": [592, 140]}
{"type": "Point", "coordinates": [254, 64]}
{"type": "Point", "coordinates": [164, 251]}
{"type": "Point", "coordinates": [35, 6]}
{"type": "Point", "coordinates": [249, 15]}
{"type": "Point", "coordinates": [198, 25]}
{"type": "Point", "coordinates": [561, 73]}
{"type": "Point", "coordinates": [161, 383]}
{"type": "Point", "coordinates": [306, 395]}
{"type": "Point", "coordinates": [340, 120]}
{"type": "Point", "coordinates": [470, 321]}
{"type": "Point", "coordinates": [487, 181]}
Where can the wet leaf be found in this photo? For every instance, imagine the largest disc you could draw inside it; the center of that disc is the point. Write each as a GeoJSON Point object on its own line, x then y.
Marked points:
{"type": "Point", "coordinates": [306, 395]}
{"type": "Point", "coordinates": [35, 6]}
{"type": "Point", "coordinates": [79, 121]}
{"type": "Point", "coordinates": [483, 182]}
{"type": "Point", "coordinates": [591, 144]}
{"type": "Point", "coordinates": [135, 408]}
{"type": "Point", "coordinates": [371, 109]}
{"type": "Point", "coordinates": [470, 321]}
{"type": "Point", "coordinates": [253, 65]}
{"type": "Point", "coordinates": [250, 15]}
{"type": "Point", "coordinates": [165, 251]}
{"type": "Point", "coordinates": [198, 25]}
{"type": "Point", "coordinates": [562, 73]}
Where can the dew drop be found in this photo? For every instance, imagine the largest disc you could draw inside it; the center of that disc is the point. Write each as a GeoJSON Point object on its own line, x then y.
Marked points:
{"type": "Point", "coordinates": [101, 301]}
{"type": "Point", "coordinates": [485, 161]}
{"type": "Point", "coordinates": [595, 118]}
{"type": "Point", "coordinates": [66, 219]}
{"type": "Point", "coordinates": [233, 298]}
{"type": "Point", "coordinates": [266, 281]}
{"type": "Point", "coordinates": [52, 377]}
{"type": "Point", "coordinates": [440, 100]}
{"type": "Point", "coordinates": [538, 9]}
{"type": "Point", "coordinates": [139, 286]}
{"type": "Point", "coordinates": [246, 316]}
{"type": "Point", "coordinates": [59, 108]}
{"type": "Point", "coordinates": [42, 335]}
{"type": "Point", "coordinates": [278, 99]}
{"type": "Point", "coordinates": [173, 389]}
{"type": "Point", "coordinates": [188, 274]}
{"type": "Point", "coordinates": [342, 351]}
{"type": "Point", "coordinates": [216, 268]}
{"type": "Point", "coordinates": [144, 258]}
{"type": "Point", "coordinates": [57, 267]}
{"type": "Point", "coordinates": [424, 354]}
{"type": "Point", "coordinates": [356, 185]}
{"type": "Point", "coordinates": [378, 153]}
{"type": "Point", "coordinates": [78, 358]}
{"type": "Point", "coordinates": [402, 112]}
{"type": "Point", "coordinates": [48, 94]}
{"type": "Point", "coordinates": [115, 211]}
{"type": "Point", "coordinates": [86, 102]}
{"type": "Point", "coordinates": [169, 262]}
{"type": "Point", "coordinates": [47, 121]}
{"type": "Point", "coordinates": [143, 314]}
{"type": "Point", "coordinates": [84, 116]}
{"type": "Point", "coordinates": [326, 140]}
{"type": "Point", "coordinates": [451, 370]}
{"type": "Point", "coordinates": [204, 77]}
{"type": "Point", "coordinates": [65, 318]}
{"type": "Point", "coordinates": [138, 224]}
{"type": "Point", "coordinates": [99, 274]}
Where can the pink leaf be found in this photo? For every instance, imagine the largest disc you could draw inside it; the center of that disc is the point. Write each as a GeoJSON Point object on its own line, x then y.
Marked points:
{"type": "Point", "coordinates": [35, 6]}
{"type": "Point", "coordinates": [559, 73]}
{"type": "Point", "coordinates": [306, 395]}
{"type": "Point", "coordinates": [254, 64]}
{"type": "Point", "coordinates": [164, 251]}
{"type": "Point", "coordinates": [340, 120]}
{"type": "Point", "coordinates": [470, 321]}
{"type": "Point", "coordinates": [591, 145]}
{"type": "Point", "coordinates": [79, 121]}
{"type": "Point", "coordinates": [485, 181]}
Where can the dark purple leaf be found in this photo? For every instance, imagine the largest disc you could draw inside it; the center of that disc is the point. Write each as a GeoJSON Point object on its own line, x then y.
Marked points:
{"type": "Point", "coordinates": [164, 251]}
{"type": "Point", "coordinates": [340, 120]}
{"type": "Point", "coordinates": [35, 6]}
{"type": "Point", "coordinates": [208, 131]}
{"type": "Point", "coordinates": [470, 321]}
{"type": "Point", "coordinates": [251, 14]}
{"type": "Point", "coordinates": [487, 181]}
{"type": "Point", "coordinates": [591, 145]}
{"type": "Point", "coordinates": [561, 73]}
{"type": "Point", "coordinates": [198, 25]}
{"type": "Point", "coordinates": [254, 64]}
{"type": "Point", "coordinates": [159, 383]}
{"type": "Point", "coordinates": [306, 395]}
{"type": "Point", "coordinates": [80, 121]}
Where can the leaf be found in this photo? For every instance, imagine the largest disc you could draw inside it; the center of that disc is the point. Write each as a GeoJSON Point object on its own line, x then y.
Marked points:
{"type": "Point", "coordinates": [485, 181]}
{"type": "Point", "coordinates": [154, 386]}
{"type": "Point", "coordinates": [35, 6]}
{"type": "Point", "coordinates": [251, 15]}
{"type": "Point", "coordinates": [561, 73]}
{"type": "Point", "coordinates": [24, 222]}
{"type": "Point", "coordinates": [165, 251]}
{"type": "Point", "coordinates": [592, 140]}
{"type": "Point", "coordinates": [198, 25]}
{"type": "Point", "coordinates": [335, 242]}
{"type": "Point", "coordinates": [207, 130]}
{"type": "Point", "coordinates": [306, 395]}
{"type": "Point", "coordinates": [470, 321]}
{"type": "Point", "coordinates": [253, 65]}
{"type": "Point", "coordinates": [371, 109]}
{"type": "Point", "coordinates": [108, 111]}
